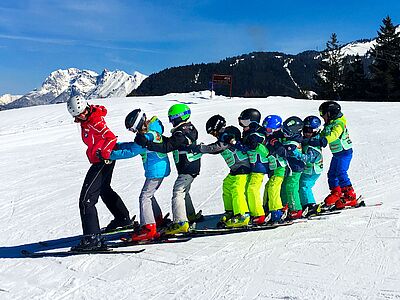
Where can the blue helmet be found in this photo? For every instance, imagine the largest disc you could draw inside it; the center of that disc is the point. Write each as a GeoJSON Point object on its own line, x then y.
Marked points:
{"type": "Point", "coordinates": [272, 122]}
{"type": "Point", "coordinates": [311, 124]}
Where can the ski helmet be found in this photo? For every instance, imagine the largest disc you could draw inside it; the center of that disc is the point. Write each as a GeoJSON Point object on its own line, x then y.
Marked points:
{"type": "Point", "coordinates": [215, 123]}
{"type": "Point", "coordinates": [331, 108]}
{"type": "Point", "coordinates": [76, 105]}
{"type": "Point", "coordinates": [135, 119]}
{"type": "Point", "coordinates": [272, 123]}
{"type": "Point", "coordinates": [233, 131]}
{"type": "Point", "coordinates": [292, 126]}
{"type": "Point", "coordinates": [311, 124]}
{"type": "Point", "coordinates": [248, 116]}
{"type": "Point", "coordinates": [178, 113]}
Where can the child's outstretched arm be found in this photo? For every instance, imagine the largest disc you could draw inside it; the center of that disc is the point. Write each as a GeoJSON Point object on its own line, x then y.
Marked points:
{"type": "Point", "coordinates": [126, 150]}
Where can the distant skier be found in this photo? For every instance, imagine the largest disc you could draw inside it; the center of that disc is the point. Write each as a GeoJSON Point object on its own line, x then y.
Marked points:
{"type": "Point", "coordinates": [156, 167]}
{"type": "Point", "coordinates": [187, 164]}
{"type": "Point", "coordinates": [336, 134]}
{"type": "Point", "coordinates": [312, 156]}
{"type": "Point", "coordinates": [234, 185]}
{"type": "Point", "coordinates": [100, 141]}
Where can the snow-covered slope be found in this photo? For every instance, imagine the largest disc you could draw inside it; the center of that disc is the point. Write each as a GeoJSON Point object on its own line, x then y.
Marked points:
{"type": "Point", "coordinates": [8, 98]}
{"type": "Point", "coordinates": [63, 84]}
{"type": "Point", "coordinates": [353, 255]}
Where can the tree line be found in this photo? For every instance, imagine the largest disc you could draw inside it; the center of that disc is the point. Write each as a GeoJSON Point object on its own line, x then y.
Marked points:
{"type": "Point", "coordinates": [374, 77]}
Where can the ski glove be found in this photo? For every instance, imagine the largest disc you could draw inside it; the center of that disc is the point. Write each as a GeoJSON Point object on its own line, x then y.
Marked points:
{"type": "Point", "coordinates": [321, 142]}
{"type": "Point", "coordinates": [141, 140]}
{"type": "Point", "coordinates": [193, 148]}
{"type": "Point", "coordinates": [106, 161]}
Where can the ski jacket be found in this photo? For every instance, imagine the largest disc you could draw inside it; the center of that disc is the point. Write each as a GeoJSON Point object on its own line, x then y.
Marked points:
{"type": "Point", "coordinates": [336, 134]}
{"type": "Point", "coordinates": [312, 156]}
{"type": "Point", "coordinates": [155, 164]}
{"type": "Point", "coordinates": [293, 148]}
{"type": "Point", "coordinates": [254, 139]}
{"type": "Point", "coordinates": [182, 135]}
{"type": "Point", "coordinates": [96, 135]}
{"type": "Point", "coordinates": [237, 161]}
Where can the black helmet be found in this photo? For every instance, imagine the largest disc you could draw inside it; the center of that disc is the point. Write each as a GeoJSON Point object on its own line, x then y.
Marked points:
{"type": "Point", "coordinates": [332, 109]}
{"type": "Point", "coordinates": [292, 126]}
{"type": "Point", "coordinates": [233, 131]}
{"type": "Point", "coordinates": [248, 116]}
{"type": "Point", "coordinates": [215, 123]}
{"type": "Point", "coordinates": [135, 119]}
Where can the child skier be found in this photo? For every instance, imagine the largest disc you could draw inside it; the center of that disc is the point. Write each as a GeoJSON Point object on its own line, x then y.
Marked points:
{"type": "Point", "coordinates": [156, 166]}
{"type": "Point", "coordinates": [234, 185]}
{"type": "Point", "coordinates": [292, 139]}
{"type": "Point", "coordinates": [253, 140]}
{"type": "Point", "coordinates": [277, 167]}
{"type": "Point", "coordinates": [187, 164]}
{"type": "Point", "coordinates": [312, 156]}
{"type": "Point", "coordinates": [336, 134]}
{"type": "Point", "coordinates": [100, 141]}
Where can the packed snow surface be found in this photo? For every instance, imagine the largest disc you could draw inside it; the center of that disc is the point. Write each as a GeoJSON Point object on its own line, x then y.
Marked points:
{"type": "Point", "coordinates": [353, 255]}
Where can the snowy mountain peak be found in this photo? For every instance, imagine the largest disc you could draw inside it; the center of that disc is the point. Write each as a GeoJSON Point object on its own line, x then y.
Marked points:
{"type": "Point", "coordinates": [60, 85]}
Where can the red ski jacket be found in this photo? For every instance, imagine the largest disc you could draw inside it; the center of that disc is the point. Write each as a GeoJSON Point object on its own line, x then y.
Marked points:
{"type": "Point", "coordinates": [96, 135]}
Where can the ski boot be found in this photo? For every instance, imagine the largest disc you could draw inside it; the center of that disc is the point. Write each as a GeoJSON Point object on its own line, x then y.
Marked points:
{"type": "Point", "coordinates": [311, 209]}
{"type": "Point", "coordinates": [146, 232]}
{"type": "Point", "coordinates": [88, 243]}
{"type": "Point", "coordinates": [163, 222]}
{"type": "Point", "coordinates": [228, 214]}
{"type": "Point", "coordinates": [294, 214]}
{"type": "Point", "coordinates": [349, 198]}
{"type": "Point", "coordinates": [335, 195]}
{"type": "Point", "coordinates": [198, 217]}
{"type": "Point", "coordinates": [118, 224]}
{"type": "Point", "coordinates": [238, 221]}
{"type": "Point", "coordinates": [277, 216]}
{"type": "Point", "coordinates": [260, 220]}
{"type": "Point", "coordinates": [178, 227]}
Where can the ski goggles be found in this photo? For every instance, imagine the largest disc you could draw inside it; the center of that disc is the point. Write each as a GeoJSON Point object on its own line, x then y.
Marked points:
{"type": "Point", "coordinates": [244, 123]}
{"type": "Point", "coordinates": [180, 115]}
{"type": "Point", "coordinates": [138, 124]}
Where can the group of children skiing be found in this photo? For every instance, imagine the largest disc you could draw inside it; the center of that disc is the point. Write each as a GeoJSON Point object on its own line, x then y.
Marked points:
{"type": "Point", "coordinates": [289, 152]}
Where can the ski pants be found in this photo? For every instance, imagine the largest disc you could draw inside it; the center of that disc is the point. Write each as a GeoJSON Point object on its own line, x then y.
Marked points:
{"type": "Point", "coordinates": [234, 193]}
{"type": "Point", "coordinates": [337, 173]}
{"type": "Point", "coordinates": [254, 200]}
{"type": "Point", "coordinates": [182, 205]}
{"type": "Point", "coordinates": [97, 183]}
{"type": "Point", "coordinates": [290, 191]}
{"type": "Point", "coordinates": [272, 191]}
{"type": "Point", "coordinates": [307, 182]}
{"type": "Point", "coordinates": [150, 211]}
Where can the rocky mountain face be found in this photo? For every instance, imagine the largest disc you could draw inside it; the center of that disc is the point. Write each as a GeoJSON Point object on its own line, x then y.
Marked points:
{"type": "Point", "coordinates": [63, 84]}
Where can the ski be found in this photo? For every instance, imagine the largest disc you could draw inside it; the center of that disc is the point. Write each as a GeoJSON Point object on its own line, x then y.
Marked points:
{"type": "Point", "coordinates": [67, 253]}
{"type": "Point", "coordinates": [161, 240]}
{"type": "Point", "coordinates": [221, 231]}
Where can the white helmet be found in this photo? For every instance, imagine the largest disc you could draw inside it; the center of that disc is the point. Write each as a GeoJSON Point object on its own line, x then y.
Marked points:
{"type": "Point", "coordinates": [76, 105]}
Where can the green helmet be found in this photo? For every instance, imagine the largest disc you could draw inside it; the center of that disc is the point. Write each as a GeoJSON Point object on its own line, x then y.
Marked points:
{"type": "Point", "coordinates": [178, 113]}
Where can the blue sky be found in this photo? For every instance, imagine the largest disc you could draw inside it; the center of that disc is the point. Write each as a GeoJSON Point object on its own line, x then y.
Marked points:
{"type": "Point", "coordinates": [40, 36]}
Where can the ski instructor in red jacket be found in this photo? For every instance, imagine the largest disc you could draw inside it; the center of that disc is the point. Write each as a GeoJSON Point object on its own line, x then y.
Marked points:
{"type": "Point", "coordinates": [100, 142]}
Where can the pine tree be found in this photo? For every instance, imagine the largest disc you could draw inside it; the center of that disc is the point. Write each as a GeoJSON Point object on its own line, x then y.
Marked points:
{"type": "Point", "coordinates": [329, 75]}
{"type": "Point", "coordinates": [354, 80]}
{"type": "Point", "coordinates": [385, 68]}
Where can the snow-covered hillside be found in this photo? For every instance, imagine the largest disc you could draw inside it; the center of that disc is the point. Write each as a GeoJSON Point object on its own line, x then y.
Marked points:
{"type": "Point", "coordinates": [8, 98]}
{"type": "Point", "coordinates": [353, 255]}
{"type": "Point", "coordinates": [63, 84]}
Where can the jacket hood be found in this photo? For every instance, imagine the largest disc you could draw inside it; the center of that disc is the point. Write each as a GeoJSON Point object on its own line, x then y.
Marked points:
{"type": "Point", "coordinates": [156, 125]}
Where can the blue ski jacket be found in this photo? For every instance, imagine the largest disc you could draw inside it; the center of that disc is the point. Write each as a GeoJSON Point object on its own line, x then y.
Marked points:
{"type": "Point", "coordinates": [156, 164]}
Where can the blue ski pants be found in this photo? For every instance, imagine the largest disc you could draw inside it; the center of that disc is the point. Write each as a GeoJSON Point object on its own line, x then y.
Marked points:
{"type": "Point", "coordinates": [337, 174]}
{"type": "Point", "coordinates": [307, 182]}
